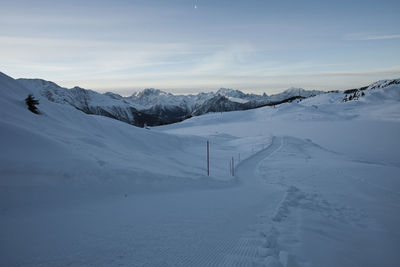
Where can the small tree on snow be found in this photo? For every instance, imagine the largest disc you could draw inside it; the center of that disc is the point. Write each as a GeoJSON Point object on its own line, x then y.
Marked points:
{"type": "Point", "coordinates": [31, 102]}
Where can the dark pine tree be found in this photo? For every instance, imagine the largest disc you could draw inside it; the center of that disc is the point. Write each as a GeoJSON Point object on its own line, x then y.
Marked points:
{"type": "Point", "coordinates": [31, 102]}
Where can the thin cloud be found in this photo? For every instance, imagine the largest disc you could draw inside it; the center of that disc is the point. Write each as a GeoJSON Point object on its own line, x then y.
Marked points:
{"type": "Point", "coordinates": [225, 59]}
{"type": "Point", "coordinates": [367, 37]}
{"type": "Point", "coordinates": [87, 58]}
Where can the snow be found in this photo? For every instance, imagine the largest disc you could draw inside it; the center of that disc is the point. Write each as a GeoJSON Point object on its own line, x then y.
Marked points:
{"type": "Point", "coordinates": [238, 100]}
{"type": "Point", "coordinates": [317, 185]}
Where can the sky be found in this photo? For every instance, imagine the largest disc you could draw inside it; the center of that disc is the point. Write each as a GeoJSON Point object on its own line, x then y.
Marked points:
{"type": "Point", "coordinates": [188, 46]}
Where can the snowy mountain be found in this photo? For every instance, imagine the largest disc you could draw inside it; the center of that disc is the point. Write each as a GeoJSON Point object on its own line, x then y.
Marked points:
{"type": "Point", "coordinates": [155, 107]}
{"type": "Point", "coordinates": [294, 92]}
{"type": "Point", "coordinates": [355, 94]}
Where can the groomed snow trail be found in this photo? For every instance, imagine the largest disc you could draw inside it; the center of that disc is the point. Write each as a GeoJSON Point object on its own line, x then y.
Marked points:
{"type": "Point", "coordinates": [248, 251]}
{"type": "Point", "coordinates": [188, 228]}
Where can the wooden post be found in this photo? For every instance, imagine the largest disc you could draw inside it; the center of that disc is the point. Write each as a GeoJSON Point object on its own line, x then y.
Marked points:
{"type": "Point", "coordinates": [233, 167]}
{"type": "Point", "coordinates": [208, 158]}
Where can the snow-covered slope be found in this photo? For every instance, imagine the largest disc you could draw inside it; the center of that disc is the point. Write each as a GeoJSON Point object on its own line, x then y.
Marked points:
{"type": "Point", "coordinates": [63, 142]}
{"type": "Point", "coordinates": [355, 94]}
{"type": "Point", "coordinates": [109, 105]}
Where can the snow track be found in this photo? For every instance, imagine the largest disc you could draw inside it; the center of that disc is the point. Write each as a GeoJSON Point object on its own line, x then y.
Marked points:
{"type": "Point", "coordinates": [208, 227]}
{"type": "Point", "coordinates": [249, 250]}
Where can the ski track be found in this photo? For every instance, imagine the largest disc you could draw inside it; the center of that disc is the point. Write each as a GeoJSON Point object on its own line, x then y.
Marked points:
{"type": "Point", "coordinates": [220, 227]}
{"type": "Point", "coordinates": [255, 244]}
{"type": "Point", "coordinates": [259, 245]}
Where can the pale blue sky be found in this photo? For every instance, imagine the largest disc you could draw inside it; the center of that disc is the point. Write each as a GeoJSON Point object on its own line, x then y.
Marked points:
{"type": "Point", "coordinates": [252, 45]}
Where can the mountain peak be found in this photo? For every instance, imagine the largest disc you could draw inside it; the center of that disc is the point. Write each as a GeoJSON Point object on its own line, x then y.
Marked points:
{"type": "Point", "coordinates": [230, 92]}
{"type": "Point", "coordinates": [40, 83]}
{"type": "Point", "coordinates": [148, 92]}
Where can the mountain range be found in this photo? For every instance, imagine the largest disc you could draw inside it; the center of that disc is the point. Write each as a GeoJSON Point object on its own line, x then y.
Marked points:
{"type": "Point", "coordinates": [154, 107]}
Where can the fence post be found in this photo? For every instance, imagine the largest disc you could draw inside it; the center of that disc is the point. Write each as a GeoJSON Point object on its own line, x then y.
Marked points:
{"type": "Point", "coordinates": [233, 167]}
{"type": "Point", "coordinates": [208, 158]}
